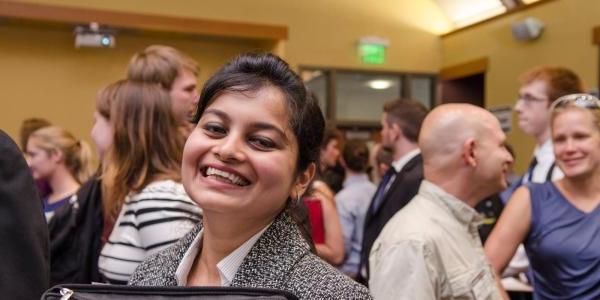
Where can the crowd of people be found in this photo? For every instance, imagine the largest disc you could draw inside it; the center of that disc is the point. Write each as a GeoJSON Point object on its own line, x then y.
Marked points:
{"type": "Point", "coordinates": [244, 185]}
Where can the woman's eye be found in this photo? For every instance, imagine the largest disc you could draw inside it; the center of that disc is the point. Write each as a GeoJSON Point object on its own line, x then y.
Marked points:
{"type": "Point", "coordinates": [262, 143]}
{"type": "Point", "coordinates": [214, 129]}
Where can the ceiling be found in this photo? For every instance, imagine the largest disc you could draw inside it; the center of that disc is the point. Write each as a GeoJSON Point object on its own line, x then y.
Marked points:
{"type": "Point", "coordinates": [462, 13]}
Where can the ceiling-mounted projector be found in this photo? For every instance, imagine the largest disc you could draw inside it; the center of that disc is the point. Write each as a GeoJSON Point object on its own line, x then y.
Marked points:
{"type": "Point", "coordinates": [94, 37]}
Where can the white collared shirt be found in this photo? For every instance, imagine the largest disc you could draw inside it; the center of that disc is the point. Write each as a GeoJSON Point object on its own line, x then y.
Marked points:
{"type": "Point", "coordinates": [544, 155]}
{"type": "Point", "coordinates": [400, 163]}
{"type": "Point", "coordinates": [227, 267]}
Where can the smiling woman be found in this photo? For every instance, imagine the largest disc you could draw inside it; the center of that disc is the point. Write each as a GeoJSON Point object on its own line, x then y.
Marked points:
{"type": "Point", "coordinates": [246, 164]}
{"type": "Point", "coordinates": [559, 221]}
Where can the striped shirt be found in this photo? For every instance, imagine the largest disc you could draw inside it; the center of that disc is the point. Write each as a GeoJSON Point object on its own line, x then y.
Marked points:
{"type": "Point", "coordinates": [149, 221]}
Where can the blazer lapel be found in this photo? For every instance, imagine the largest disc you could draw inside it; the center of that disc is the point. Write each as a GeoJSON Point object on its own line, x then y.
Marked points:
{"type": "Point", "coordinates": [172, 256]}
{"type": "Point", "coordinates": [408, 167]}
{"type": "Point", "coordinates": [273, 256]}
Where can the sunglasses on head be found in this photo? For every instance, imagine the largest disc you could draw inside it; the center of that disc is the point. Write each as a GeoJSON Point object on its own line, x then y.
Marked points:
{"type": "Point", "coordinates": [580, 100]}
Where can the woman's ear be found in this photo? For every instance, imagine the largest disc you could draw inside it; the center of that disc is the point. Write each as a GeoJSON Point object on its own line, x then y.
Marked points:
{"type": "Point", "coordinates": [303, 180]}
{"type": "Point", "coordinates": [56, 155]}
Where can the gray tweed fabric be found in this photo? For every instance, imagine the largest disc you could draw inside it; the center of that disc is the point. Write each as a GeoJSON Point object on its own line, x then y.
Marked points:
{"type": "Point", "coordinates": [280, 259]}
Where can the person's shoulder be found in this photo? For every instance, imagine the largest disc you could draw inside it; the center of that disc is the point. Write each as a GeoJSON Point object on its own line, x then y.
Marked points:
{"type": "Point", "coordinates": [167, 186]}
{"type": "Point", "coordinates": [346, 195]}
{"type": "Point", "coordinates": [151, 272]}
{"type": "Point", "coordinates": [367, 185]}
{"type": "Point", "coordinates": [159, 268]}
{"type": "Point", "coordinates": [414, 219]}
{"type": "Point", "coordinates": [165, 193]}
{"type": "Point", "coordinates": [409, 181]}
{"type": "Point", "coordinates": [312, 278]}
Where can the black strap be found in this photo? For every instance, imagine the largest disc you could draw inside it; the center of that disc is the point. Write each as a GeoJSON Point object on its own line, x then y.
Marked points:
{"type": "Point", "coordinates": [127, 292]}
{"type": "Point", "coordinates": [532, 166]}
{"type": "Point", "coordinates": [550, 171]}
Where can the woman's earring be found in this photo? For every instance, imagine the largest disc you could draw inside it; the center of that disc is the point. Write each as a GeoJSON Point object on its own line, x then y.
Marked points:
{"type": "Point", "coordinates": [298, 197]}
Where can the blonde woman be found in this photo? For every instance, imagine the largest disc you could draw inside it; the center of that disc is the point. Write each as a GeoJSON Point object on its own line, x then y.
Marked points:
{"type": "Point", "coordinates": [55, 155]}
{"type": "Point", "coordinates": [559, 221]}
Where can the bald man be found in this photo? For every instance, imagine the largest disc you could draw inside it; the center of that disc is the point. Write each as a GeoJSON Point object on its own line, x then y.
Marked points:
{"type": "Point", "coordinates": [431, 248]}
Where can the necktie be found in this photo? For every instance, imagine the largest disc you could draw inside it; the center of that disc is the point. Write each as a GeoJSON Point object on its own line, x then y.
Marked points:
{"type": "Point", "coordinates": [530, 169]}
{"type": "Point", "coordinates": [378, 199]}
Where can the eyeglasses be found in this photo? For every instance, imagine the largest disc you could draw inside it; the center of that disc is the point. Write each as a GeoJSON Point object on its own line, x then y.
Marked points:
{"type": "Point", "coordinates": [580, 100]}
{"type": "Point", "coordinates": [529, 100]}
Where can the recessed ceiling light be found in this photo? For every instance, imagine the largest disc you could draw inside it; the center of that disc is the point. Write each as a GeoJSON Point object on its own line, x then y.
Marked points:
{"type": "Point", "coordinates": [379, 84]}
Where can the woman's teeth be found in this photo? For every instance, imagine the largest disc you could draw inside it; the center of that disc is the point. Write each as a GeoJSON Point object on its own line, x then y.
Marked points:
{"type": "Point", "coordinates": [226, 176]}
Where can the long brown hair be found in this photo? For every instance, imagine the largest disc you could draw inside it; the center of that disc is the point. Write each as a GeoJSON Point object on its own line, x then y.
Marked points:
{"type": "Point", "coordinates": [147, 144]}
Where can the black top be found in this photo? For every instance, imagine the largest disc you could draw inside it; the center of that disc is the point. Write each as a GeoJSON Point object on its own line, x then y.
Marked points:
{"type": "Point", "coordinates": [23, 230]}
{"type": "Point", "coordinates": [75, 233]}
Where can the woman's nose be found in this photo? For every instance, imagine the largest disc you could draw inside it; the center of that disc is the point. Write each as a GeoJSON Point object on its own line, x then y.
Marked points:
{"type": "Point", "coordinates": [230, 149]}
{"type": "Point", "coordinates": [569, 145]}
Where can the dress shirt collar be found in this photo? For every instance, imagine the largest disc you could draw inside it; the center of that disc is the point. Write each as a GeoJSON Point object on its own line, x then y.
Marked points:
{"type": "Point", "coordinates": [355, 178]}
{"type": "Point", "coordinates": [400, 163]}
{"type": "Point", "coordinates": [543, 151]}
{"type": "Point", "coordinates": [465, 214]}
{"type": "Point", "coordinates": [227, 267]}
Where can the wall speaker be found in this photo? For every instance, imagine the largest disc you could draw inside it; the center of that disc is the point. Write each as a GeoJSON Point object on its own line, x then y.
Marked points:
{"type": "Point", "coordinates": [527, 30]}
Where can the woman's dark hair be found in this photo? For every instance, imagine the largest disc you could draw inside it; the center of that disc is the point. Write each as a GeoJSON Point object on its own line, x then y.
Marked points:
{"type": "Point", "coordinates": [356, 155]}
{"type": "Point", "coordinates": [331, 133]}
{"type": "Point", "coordinates": [252, 71]}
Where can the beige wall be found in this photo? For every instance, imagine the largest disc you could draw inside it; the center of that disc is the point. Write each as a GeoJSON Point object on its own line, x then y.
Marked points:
{"type": "Point", "coordinates": [321, 32]}
{"type": "Point", "coordinates": [42, 75]}
{"type": "Point", "coordinates": [566, 42]}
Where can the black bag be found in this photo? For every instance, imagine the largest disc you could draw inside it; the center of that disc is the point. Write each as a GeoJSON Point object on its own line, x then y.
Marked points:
{"type": "Point", "coordinates": [124, 292]}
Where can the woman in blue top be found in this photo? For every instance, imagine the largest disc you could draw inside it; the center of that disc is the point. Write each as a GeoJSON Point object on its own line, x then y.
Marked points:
{"type": "Point", "coordinates": [559, 222]}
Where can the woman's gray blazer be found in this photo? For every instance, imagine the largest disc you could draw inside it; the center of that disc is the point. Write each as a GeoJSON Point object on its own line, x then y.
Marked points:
{"type": "Point", "coordinates": [280, 259]}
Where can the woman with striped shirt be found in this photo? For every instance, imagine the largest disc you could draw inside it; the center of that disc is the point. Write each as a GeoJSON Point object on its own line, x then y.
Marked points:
{"type": "Point", "coordinates": [146, 208]}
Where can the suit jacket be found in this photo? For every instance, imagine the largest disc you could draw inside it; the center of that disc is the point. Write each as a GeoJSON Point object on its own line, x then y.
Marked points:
{"type": "Point", "coordinates": [23, 230]}
{"type": "Point", "coordinates": [403, 189]}
{"type": "Point", "coordinates": [280, 259]}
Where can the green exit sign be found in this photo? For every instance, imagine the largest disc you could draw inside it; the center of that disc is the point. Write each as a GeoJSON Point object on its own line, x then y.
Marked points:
{"type": "Point", "coordinates": [372, 53]}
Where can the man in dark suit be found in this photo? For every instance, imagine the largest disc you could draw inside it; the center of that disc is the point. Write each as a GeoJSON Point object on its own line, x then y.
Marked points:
{"type": "Point", "coordinates": [23, 230]}
{"type": "Point", "coordinates": [400, 126]}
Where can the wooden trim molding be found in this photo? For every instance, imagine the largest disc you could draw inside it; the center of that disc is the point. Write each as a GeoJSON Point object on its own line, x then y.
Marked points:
{"type": "Point", "coordinates": [596, 35]}
{"type": "Point", "coordinates": [465, 69]}
{"type": "Point", "coordinates": [146, 22]}
{"type": "Point", "coordinates": [596, 41]}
